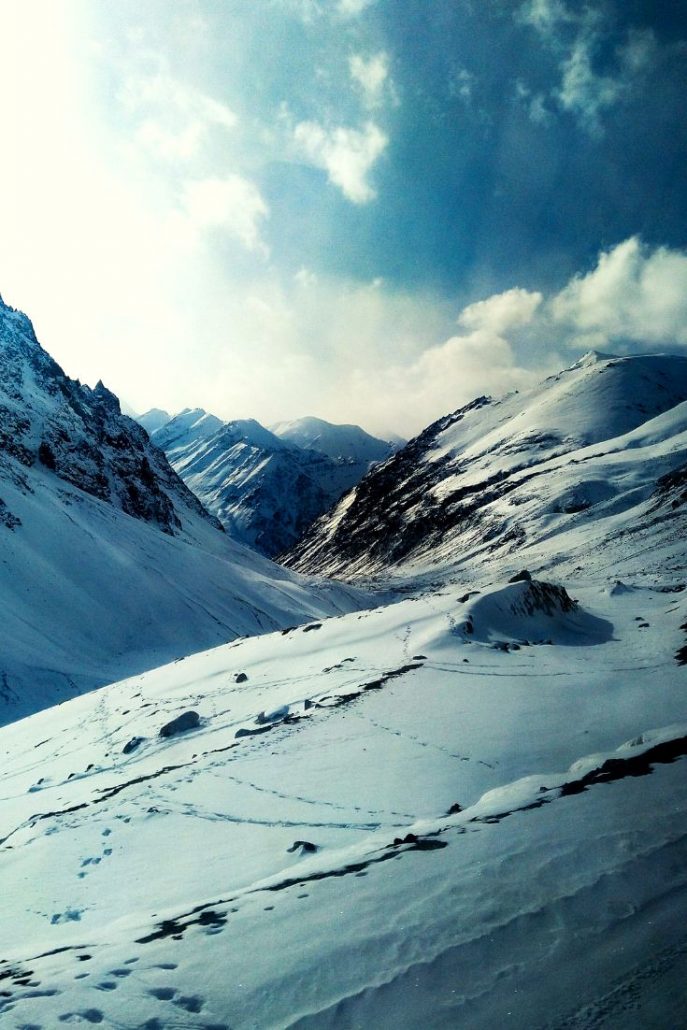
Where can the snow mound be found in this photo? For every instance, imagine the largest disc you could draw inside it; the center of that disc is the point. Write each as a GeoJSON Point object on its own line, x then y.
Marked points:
{"type": "Point", "coordinates": [531, 611]}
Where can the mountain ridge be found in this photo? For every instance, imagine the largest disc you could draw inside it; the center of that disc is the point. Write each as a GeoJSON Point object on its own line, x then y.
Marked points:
{"type": "Point", "coordinates": [267, 487]}
{"type": "Point", "coordinates": [486, 479]}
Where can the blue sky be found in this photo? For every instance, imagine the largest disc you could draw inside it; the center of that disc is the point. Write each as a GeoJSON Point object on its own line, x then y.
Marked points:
{"type": "Point", "coordinates": [367, 210]}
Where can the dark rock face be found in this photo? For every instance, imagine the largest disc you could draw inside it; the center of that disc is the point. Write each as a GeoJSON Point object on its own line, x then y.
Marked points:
{"type": "Point", "coordinates": [78, 434]}
{"type": "Point", "coordinates": [184, 722]}
{"type": "Point", "coordinates": [377, 526]}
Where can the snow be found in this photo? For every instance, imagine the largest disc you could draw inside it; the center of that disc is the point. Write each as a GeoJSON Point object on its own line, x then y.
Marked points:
{"type": "Point", "coordinates": [179, 863]}
{"type": "Point", "coordinates": [89, 593]}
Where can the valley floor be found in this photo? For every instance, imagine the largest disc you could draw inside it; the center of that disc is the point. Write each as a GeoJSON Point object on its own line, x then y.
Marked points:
{"type": "Point", "coordinates": [392, 818]}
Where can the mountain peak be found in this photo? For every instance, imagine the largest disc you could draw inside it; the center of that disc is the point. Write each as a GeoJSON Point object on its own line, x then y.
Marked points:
{"type": "Point", "coordinates": [594, 357]}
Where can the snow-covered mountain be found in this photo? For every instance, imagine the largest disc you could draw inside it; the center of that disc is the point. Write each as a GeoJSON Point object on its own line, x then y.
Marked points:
{"type": "Point", "coordinates": [343, 442]}
{"type": "Point", "coordinates": [153, 419]}
{"type": "Point", "coordinates": [267, 487]}
{"type": "Point", "coordinates": [108, 563]}
{"type": "Point", "coordinates": [598, 450]}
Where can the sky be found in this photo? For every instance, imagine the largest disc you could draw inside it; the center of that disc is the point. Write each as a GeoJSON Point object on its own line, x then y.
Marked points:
{"type": "Point", "coordinates": [370, 211]}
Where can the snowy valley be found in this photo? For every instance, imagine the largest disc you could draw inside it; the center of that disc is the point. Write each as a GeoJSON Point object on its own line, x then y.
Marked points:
{"type": "Point", "coordinates": [448, 792]}
{"type": "Point", "coordinates": [266, 486]}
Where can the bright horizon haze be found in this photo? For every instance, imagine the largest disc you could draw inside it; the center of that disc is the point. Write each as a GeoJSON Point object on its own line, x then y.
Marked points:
{"type": "Point", "coordinates": [368, 211]}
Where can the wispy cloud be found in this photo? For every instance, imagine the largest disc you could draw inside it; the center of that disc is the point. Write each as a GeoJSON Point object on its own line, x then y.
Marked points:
{"type": "Point", "coordinates": [171, 119]}
{"type": "Point", "coordinates": [352, 8]}
{"type": "Point", "coordinates": [233, 204]}
{"type": "Point", "coordinates": [599, 67]}
{"type": "Point", "coordinates": [371, 76]}
{"type": "Point", "coordinates": [587, 93]}
{"type": "Point", "coordinates": [347, 155]}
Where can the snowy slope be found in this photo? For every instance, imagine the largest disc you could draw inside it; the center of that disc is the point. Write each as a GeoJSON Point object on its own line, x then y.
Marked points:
{"type": "Point", "coordinates": [382, 820]}
{"type": "Point", "coordinates": [595, 451]}
{"type": "Point", "coordinates": [108, 563]}
{"type": "Point", "coordinates": [266, 489]}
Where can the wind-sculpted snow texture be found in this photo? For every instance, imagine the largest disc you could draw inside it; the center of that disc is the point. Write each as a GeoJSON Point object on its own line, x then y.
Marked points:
{"type": "Point", "coordinates": [598, 451]}
{"type": "Point", "coordinates": [267, 487]}
{"type": "Point", "coordinates": [384, 819]}
{"type": "Point", "coordinates": [108, 563]}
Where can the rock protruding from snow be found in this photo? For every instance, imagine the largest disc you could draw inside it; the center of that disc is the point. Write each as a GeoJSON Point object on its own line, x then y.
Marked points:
{"type": "Point", "coordinates": [182, 724]}
{"type": "Point", "coordinates": [530, 611]}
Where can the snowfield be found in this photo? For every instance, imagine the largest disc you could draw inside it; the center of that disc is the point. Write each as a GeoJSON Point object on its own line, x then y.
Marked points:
{"type": "Point", "coordinates": [383, 819]}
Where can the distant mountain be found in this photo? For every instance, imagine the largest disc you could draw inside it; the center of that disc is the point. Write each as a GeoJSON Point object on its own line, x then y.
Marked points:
{"type": "Point", "coordinates": [153, 419]}
{"type": "Point", "coordinates": [108, 563]}
{"type": "Point", "coordinates": [345, 442]}
{"type": "Point", "coordinates": [267, 487]}
{"type": "Point", "coordinates": [596, 451]}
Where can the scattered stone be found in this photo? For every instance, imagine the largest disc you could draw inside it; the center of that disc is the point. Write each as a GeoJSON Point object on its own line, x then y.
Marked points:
{"type": "Point", "coordinates": [306, 847]}
{"type": "Point", "coordinates": [132, 744]}
{"type": "Point", "coordinates": [410, 838]}
{"type": "Point", "coordinates": [455, 809]}
{"type": "Point", "coordinates": [313, 625]}
{"type": "Point", "coordinates": [240, 677]}
{"type": "Point", "coordinates": [182, 723]}
{"type": "Point", "coordinates": [419, 658]}
{"type": "Point", "coordinates": [274, 716]}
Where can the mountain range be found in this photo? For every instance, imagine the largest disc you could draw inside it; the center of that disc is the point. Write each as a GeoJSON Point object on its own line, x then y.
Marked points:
{"type": "Point", "coordinates": [266, 486]}
{"type": "Point", "coordinates": [451, 793]}
{"type": "Point", "coordinates": [593, 452]}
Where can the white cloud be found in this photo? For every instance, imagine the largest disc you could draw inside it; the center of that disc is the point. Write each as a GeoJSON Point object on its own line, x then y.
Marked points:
{"type": "Point", "coordinates": [231, 203]}
{"type": "Point", "coordinates": [502, 311]}
{"type": "Point", "coordinates": [371, 76]}
{"type": "Point", "coordinates": [347, 155]}
{"type": "Point", "coordinates": [462, 85]}
{"type": "Point", "coordinates": [634, 295]}
{"type": "Point", "coordinates": [352, 8]}
{"type": "Point", "coordinates": [634, 300]}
